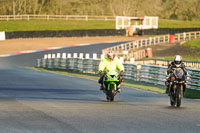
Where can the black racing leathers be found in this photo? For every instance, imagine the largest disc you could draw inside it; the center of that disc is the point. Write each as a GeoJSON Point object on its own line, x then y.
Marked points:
{"type": "Point", "coordinates": [172, 65]}
{"type": "Point", "coordinates": [170, 70]}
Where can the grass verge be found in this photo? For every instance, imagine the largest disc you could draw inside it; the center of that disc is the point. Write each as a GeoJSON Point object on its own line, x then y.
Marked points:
{"type": "Point", "coordinates": [166, 23]}
{"type": "Point", "coordinates": [185, 58]}
{"type": "Point", "coordinates": [194, 94]}
{"type": "Point", "coordinates": [193, 44]}
{"type": "Point", "coordinates": [41, 25]}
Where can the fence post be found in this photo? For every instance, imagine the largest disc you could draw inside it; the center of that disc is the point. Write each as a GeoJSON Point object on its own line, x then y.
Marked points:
{"type": "Point", "coordinates": [86, 18]}
{"type": "Point", "coordinates": [138, 72]}
{"type": "Point", "coordinates": [195, 35]}
{"type": "Point", "coordinates": [106, 18]}
{"type": "Point", "coordinates": [45, 56]}
{"type": "Point", "coordinates": [87, 56]}
{"type": "Point", "coordinates": [49, 56]}
{"type": "Point", "coordinates": [58, 55]}
{"type": "Point", "coordinates": [184, 35]}
{"type": "Point", "coordinates": [64, 55]}
{"type": "Point", "coordinates": [63, 61]}
{"type": "Point", "coordinates": [94, 56]}
{"type": "Point", "coordinates": [189, 36]}
{"type": "Point", "coordinates": [66, 17]}
{"type": "Point", "coordinates": [75, 55]}
{"type": "Point", "coordinates": [39, 62]}
{"type": "Point", "coordinates": [2, 36]}
{"type": "Point", "coordinates": [44, 63]}
{"type": "Point", "coordinates": [69, 55]}
{"type": "Point", "coordinates": [132, 60]}
{"type": "Point", "coordinates": [81, 55]}
{"type": "Point", "coordinates": [53, 56]}
{"type": "Point", "coordinates": [121, 59]}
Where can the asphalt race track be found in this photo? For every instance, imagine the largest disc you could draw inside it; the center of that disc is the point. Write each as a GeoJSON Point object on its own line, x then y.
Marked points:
{"type": "Point", "coordinates": [30, 59]}
{"type": "Point", "coordinates": [32, 101]}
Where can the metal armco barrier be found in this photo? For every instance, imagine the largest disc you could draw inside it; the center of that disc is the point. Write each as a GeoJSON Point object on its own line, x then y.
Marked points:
{"type": "Point", "coordinates": [156, 74]}
{"type": "Point", "coordinates": [162, 62]}
{"type": "Point", "coordinates": [194, 79]}
{"type": "Point", "coordinates": [146, 73]}
{"type": "Point", "coordinates": [153, 74]}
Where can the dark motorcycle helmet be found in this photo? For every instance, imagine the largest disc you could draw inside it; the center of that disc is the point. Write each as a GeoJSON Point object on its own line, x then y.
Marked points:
{"type": "Point", "coordinates": [177, 60]}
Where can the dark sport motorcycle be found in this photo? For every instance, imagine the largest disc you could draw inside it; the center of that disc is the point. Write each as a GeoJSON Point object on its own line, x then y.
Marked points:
{"type": "Point", "coordinates": [112, 79]}
{"type": "Point", "coordinates": [177, 86]}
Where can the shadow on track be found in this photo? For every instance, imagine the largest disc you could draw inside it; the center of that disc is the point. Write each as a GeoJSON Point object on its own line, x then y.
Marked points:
{"type": "Point", "coordinates": [49, 94]}
{"type": "Point", "coordinates": [174, 108]}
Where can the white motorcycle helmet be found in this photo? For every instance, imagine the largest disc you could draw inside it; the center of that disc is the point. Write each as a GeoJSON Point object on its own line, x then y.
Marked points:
{"type": "Point", "coordinates": [110, 55]}
{"type": "Point", "coordinates": [177, 60]}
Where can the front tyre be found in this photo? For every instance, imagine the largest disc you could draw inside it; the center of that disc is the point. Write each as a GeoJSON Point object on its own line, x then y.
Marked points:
{"type": "Point", "coordinates": [178, 96]}
{"type": "Point", "coordinates": [111, 94]}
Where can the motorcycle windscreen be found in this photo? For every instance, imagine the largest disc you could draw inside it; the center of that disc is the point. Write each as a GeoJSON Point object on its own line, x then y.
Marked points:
{"type": "Point", "coordinates": [179, 73]}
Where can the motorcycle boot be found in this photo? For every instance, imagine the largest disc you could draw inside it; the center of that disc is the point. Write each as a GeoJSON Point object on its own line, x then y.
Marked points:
{"type": "Point", "coordinates": [167, 89]}
{"type": "Point", "coordinates": [101, 87]}
{"type": "Point", "coordinates": [118, 89]}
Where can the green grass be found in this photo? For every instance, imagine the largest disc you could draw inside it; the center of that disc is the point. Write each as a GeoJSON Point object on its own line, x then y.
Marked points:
{"type": "Point", "coordinates": [40, 25]}
{"type": "Point", "coordinates": [130, 83]}
{"type": "Point", "coordinates": [193, 44]}
{"type": "Point", "coordinates": [185, 58]}
{"type": "Point", "coordinates": [164, 23]}
{"type": "Point", "coordinates": [194, 94]}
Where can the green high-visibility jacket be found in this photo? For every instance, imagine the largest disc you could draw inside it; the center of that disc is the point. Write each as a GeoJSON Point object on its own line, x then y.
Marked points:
{"type": "Point", "coordinates": [114, 65]}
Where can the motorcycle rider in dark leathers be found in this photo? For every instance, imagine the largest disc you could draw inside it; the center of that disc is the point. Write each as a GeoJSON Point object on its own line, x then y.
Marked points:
{"type": "Point", "coordinates": [177, 63]}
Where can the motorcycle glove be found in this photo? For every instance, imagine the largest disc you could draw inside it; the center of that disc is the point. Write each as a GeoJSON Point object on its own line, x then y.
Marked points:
{"type": "Point", "coordinates": [121, 73]}
{"type": "Point", "coordinates": [101, 73]}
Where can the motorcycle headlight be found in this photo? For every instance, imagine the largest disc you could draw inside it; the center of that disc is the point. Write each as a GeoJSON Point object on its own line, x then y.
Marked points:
{"type": "Point", "coordinates": [108, 78]}
{"type": "Point", "coordinates": [115, 79]}
{"type": "Point", "coordinates": [172, 78]}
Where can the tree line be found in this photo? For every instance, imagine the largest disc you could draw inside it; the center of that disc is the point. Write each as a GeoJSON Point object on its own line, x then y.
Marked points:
{"type": "Point", "coordinates": [167, 9]}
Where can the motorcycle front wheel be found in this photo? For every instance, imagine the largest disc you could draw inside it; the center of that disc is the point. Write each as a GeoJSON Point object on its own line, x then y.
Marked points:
{"type": "Point", "coordinates": [111, 93]}
{"type": "Point", "coordinates": [178, 96]}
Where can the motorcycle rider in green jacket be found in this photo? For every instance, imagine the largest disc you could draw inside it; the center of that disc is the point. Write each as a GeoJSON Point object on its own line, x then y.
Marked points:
{"type": "Point", "coordinates": [110, 63]}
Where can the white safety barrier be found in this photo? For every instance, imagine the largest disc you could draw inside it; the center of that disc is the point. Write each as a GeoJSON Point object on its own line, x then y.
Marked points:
{"type": "Point", "coordinates": [55, 17]}
{"type": "Point", "coordinates": [2, 36]}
